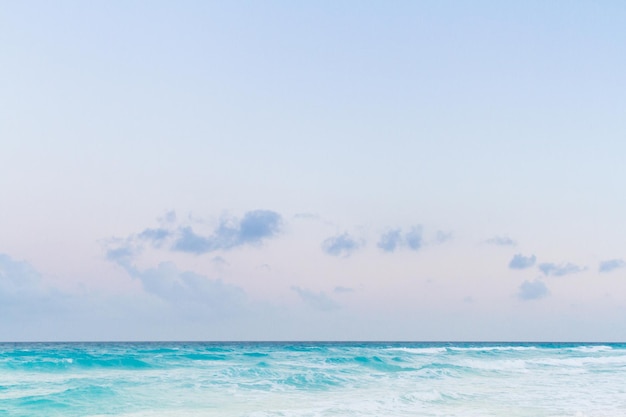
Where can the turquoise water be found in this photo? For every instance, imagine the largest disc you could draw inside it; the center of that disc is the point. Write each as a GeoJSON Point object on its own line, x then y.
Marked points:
{"type": "Point", "coordinates": [312, 379]}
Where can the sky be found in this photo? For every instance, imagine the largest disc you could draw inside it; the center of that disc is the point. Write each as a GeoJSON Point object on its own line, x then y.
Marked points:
{"type": "Point", "coordinates": [328, 170]}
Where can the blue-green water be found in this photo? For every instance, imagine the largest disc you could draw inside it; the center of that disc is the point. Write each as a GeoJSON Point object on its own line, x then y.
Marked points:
{"type": "Point", "coordinates": [312, 379]}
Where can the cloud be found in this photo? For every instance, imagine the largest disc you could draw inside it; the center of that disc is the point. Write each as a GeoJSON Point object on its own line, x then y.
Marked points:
{"type": "Point", "coordinates": [342, 290]}
{"type": "Point", "coordinates": [190, 242]}
{"type": "Point", "coordinates": [219, 262]}
{"type": "Point", "coordinates": [16, 276]}
{"type": "Point", "coordinates": [318, 301]}
{"type": "Point", "coordinates": [413, 238]}
{"type": "Point", "coordinates": [23, 294]}
{"type": "Point", "coordinates": [394, 239]}
{"type": "Point", "coordinates": [169, 217]}
{"type": "Point", "coordinates": [122, 251]}
{"type": "Point", "coordinates": [390, 240]}
{"type": "Point", "coordinates": [532, 290]}
{"type": "Point", "coordinates": [265, 267]}
{"type": "Point", "coordinates": [258, 225]}
{"type": "Point", "coordinates": [501, 241]}
{"type": "Point", "coordinates": [193, 294]}
{"type": "Point", "coordinates": [520, 261]}
{"type": "Point", "coordinates": [341, 245]}
{"type": "Point", "coordinates": [255, 227]}
{"type": "Point", "coordinates": [442, 237]}
{"type": "Point", "coordinates": [306, 216]}
{"type": "Point", "coordinates": [155, 236]}
{"type": "Point", "coordinates": [610, 265]}
{"type": "Point", "coordinates": [560, 270]}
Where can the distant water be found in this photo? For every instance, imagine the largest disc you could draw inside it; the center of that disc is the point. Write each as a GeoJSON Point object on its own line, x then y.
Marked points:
{"type": "Point", "coordinates": [312, 379]}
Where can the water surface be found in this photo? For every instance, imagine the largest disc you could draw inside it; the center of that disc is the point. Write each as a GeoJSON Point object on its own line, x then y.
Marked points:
{"type": "Point", "coordinates": [312, 379]}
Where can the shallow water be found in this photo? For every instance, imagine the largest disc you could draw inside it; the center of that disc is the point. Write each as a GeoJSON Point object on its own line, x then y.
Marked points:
{"type": "Point", "coordinates": [312, 379]}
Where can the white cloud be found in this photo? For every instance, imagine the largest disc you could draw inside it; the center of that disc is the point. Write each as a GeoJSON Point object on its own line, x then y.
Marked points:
{"type": "Point", "coordinates": [318, 301]}
{"type": "Point", "coordinates": [611, 265]}
{"type": "Point", "coordinates": [532, 290]}
{"type": "Point", "coordinates": [558, 270]}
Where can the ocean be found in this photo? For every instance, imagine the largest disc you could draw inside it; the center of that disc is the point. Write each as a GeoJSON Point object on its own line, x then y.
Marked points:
{"type": "Point", "coordinates": [312, 379]}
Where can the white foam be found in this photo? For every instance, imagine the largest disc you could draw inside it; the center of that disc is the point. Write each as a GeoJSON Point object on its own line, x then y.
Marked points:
{"type": "Point", "coordinates": [420, 351]}
{"type": "Point", "coordinates": [491, 348]}
{"type": "Point", "coordinates": [591, 349]}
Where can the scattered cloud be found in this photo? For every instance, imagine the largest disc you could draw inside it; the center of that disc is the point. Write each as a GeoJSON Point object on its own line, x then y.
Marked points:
{"type": "Point", "coordinates": [168, 218]}
{"type": "Point", "coordinates": [121, 254]}
{"type": "Point", "coordinates": [255, 227]}
{"type": "Point", "coordinates": [306, 216]}
{"type": "Point", "coordinates": [610, 265]}
{"type": "Point", "coordinates": [155, 236]}
{"type": "Point", "coordinates": [520, 261]}
{"type": "Point", "coordinates": [413, 238]}
{"type": "Point", "coordinates": [16, 276]}
{"type": "Point", "coordinates": [394, 239]}
{"type": "Point", "coordinates": [390, 240]}
{"type": "Point", "coordinates": [341, 245]}
{"type": "Point", "coordinates": [194, 295]}
{"type": "Point", "coordinates": [258, 225]}
{"type": "Point", "coordinates": [560, 269]}
{"type": "Point", "coordinates": [501, 241]}
{"type": "Point", "coordinates": [318, 301]}
{"type": "Point", "coordinates": [442, 237]}
{"type": "Point", "coordinates": [219, 262]}
{"type": "Point", "coordinates": [343, 290]}
{"type": "Point", "coordinates": [532, 290]}
{"type": "Point", "coordinates": [190, 242]}
{"type": "Point", "coordinates": [24, 295]}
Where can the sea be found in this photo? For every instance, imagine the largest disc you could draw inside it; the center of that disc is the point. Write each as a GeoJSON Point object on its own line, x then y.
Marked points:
{"type": "Point", "coordinates": [310, 379]}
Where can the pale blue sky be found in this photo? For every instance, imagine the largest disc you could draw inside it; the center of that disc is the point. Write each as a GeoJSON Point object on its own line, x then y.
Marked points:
{"type": "Point", "coordinates": [312, 170]}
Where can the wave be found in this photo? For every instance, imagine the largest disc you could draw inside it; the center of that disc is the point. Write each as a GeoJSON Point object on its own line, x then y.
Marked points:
{"type": "Point", "coordinates": [420, 351]}
{"type": "Point", "coordinates": [341, 380]}
{"type": "Point", "coordinates": [491, 348]}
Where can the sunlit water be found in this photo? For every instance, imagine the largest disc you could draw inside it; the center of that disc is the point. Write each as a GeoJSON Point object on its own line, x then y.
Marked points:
{"type": "Point", "coordinates": [312, 379]}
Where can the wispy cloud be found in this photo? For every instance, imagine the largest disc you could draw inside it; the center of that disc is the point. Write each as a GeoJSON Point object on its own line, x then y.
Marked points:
{"type": "Point", "coordinates": [24, 295]}
{"type": "Point", "coordinates": [318, 301]}
{"type": "Point", "coordinates": [121, 253]}
{"type": "Point", "coordinates": [168, 218]}
{"type": "Point", "coordinates": [441, 237]}
{"type": "Point", "coordinates": [341, 245]}
{"type": "Point", "coordinates": [190, 242]}
{"type": "Point", "coordinates": [306, 216]}
{"type": "Point", "coordinates": [558, 270]}
{"type": "Point", "coordinates": [16, 275]}
{"type": "Point", "coordinates": [155, 236]}
{"type": "Point", "coordinates": [520, 261]}
{"type": "Point", "coordinates": [343, 290]}
{"type": "Point", "coordinates": [255, 227]}
{"type": "Point", "coordinates": [501, 241]}
{"type": "Point", "coordinates": [610, 265]}
{"type": "Point", "coordinates": [194, 295]}
{"type": "Point", "coordinates": [391, 240]}
{"type": "Point", "coordinates": [532, 290]}
{"type": "Point", "coordinates": [412, 239]}
{"type": "Point", "coordinates": [219, 262]}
